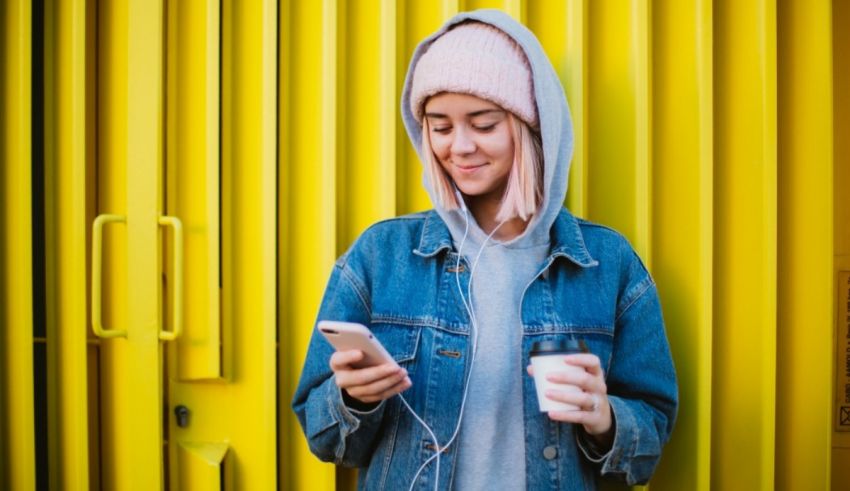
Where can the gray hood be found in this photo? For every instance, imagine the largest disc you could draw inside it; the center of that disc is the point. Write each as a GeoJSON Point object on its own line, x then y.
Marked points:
{"type": "Point", "coordinates": [556, 129]}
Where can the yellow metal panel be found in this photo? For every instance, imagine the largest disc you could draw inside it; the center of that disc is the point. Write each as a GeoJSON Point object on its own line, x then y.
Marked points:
{"type": "Point", "coordinates": [417, 20]}
{"type": "Point", "coordinates": [512, 7]}
{"type": "Point", "coordinates": [143, 413]}
{"type": "Point", "coordinates": [252, 260]}
{"type": "Point", "coordinates": [65, 233]}
{"type": "Point", "coordinates": [17, 430]}
{"type": "Point", "coordinates": [308, 244]}
{"type": "Point", "coordinates": [193, 116]}
{"type": "Point", "coordinates": [203, 466]}
{"type": "Point", "coordinates": [560, 27]}
{"type": "Point", "coordinates": [840, 475]}
{"type": "Point", "coordinates": [744, 356]}
{"type": "Point", "coordinates": [130, 173]}
{"type": "Point", "coordinates": [112, 198]}
{"type": "Point", "coordinates": [805, 262]}
{"type": "Point", "coordinates": [682, 226]}
{"type": "Point", "coordinates": [241, 408]}
{"type": "Point", "coordinates": [619, 118]}
{"type": "Point", "coordinates": [368, 108]}
{"type": "Point", "coordinates": [193, 176]}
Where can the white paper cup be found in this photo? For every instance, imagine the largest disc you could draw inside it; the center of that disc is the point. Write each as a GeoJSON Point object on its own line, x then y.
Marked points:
{"type": "Point", "coordinates": [548, 357]}
{"type": "Point", "coordinates": [553, 363]}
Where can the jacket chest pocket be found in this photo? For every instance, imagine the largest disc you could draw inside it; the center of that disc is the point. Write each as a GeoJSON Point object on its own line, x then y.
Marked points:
{"type": "Point", "coordinates": [400, 341]}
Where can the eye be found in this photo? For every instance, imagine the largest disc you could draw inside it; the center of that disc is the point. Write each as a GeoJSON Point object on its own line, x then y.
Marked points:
{"type": "Point", "coordinates": [441, 130]}
{"type": "Point", "coordinates": [486, 129]}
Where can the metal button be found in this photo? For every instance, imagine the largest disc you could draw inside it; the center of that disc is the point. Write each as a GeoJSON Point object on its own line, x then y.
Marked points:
{"type": "Point", "coordinates": [550, 452]}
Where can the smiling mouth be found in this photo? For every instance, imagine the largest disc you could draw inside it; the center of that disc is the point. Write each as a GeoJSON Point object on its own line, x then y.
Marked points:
{"type": "Point", "coordinates": [469, 168]}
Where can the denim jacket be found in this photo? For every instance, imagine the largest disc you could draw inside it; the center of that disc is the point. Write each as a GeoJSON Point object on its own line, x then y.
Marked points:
{"type": "Point", "coordinates": [399, 280]}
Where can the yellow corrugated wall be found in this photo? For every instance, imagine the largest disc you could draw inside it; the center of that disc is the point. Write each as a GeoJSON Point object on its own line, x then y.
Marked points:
{"type": "Point", "coordinates": [233, 149]}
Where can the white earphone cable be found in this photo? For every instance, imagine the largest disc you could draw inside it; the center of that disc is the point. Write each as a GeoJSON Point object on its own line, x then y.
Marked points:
{"type": "Point", "coordinates": [467, 303]}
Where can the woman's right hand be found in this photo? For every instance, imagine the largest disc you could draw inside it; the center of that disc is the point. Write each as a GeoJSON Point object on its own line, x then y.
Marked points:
{"type": "Point", "coordinates": [370, 384]}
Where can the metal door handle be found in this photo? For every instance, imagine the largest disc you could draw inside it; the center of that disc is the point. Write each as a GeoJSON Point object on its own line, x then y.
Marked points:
{"type": "Point", "coordinates": [177, 225]}
{"type": "Point", "coordinates": [96, 268]}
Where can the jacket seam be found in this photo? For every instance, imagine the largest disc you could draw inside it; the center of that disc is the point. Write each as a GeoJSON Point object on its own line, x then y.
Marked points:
{"type": "Point", "coordinates": [649, 283]}
{"type": "Point", "coordinates": [406, 321]}
{"type": "Point", "coordinates": [356, 285]}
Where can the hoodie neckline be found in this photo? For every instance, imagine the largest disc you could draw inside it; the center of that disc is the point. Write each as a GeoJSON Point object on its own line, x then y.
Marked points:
{"type": "Point", "coordinates": [566, 239]}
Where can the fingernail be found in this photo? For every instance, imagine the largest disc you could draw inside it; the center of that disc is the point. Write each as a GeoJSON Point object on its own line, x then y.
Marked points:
{"type": "Point", "coordinates": [407, 379]}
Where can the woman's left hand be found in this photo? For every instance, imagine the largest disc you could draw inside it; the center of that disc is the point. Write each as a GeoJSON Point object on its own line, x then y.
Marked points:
{"type": "Point", "coordinates": [595, 410]}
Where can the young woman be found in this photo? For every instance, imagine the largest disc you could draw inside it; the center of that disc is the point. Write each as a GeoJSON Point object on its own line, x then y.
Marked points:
{"type": "Point", "coordinates": [459, 294]}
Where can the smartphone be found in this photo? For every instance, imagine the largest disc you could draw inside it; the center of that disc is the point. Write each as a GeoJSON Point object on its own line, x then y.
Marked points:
{"type": "Point", "coordinates": [350, 335]}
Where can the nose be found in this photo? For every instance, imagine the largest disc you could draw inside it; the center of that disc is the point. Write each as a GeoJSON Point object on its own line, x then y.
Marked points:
{"type": "Point", "coordinates": [462, 144]}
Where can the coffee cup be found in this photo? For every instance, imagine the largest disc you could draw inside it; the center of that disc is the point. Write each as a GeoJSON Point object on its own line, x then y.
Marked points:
{"type": "Point", "coordinates": [546, 357]}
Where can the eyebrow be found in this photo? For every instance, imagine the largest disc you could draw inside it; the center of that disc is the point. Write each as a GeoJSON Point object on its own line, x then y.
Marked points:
{"type": "Point", "coordinates": [471, 115]}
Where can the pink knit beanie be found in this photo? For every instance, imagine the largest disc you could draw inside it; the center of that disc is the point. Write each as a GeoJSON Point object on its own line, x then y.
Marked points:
{"type": "Point", "coordinates": [478, 59]}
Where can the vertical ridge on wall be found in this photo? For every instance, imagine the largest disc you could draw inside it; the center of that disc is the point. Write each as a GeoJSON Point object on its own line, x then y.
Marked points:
{"type": "Point", "coordinates": [139, 414]}
{"type": "Point", "coordinates": [193, 167]}
{"type": "Point", "coordinates": [388, 108]}
{"type": "Point", "coordinates": [560, 27]}
{"type": "Point", "coordinates": [840, 441]}
{"type": "Point", "coordinates": [682, 225]}
{"type": "Point", "coordinates": [574, 77]}
{"type": "Point", "coordinates": [418, 20]}
{"type": "Point", "coordinates": [249, 266]}
{"type": "Point", "coordinates": [744, 356]}
{"type": "Point", "coordinates": [112, 198]}
{"type": "Point", "coordinates": [516, 9]}
{"type": "Point", "coordinates": [641, 71]}
{"type": "Point", "coordinates": [618, 119]}
{"type": "Point", "coordinates": [367, 108]}
{"type": "Point", "coordinates": [65, 236]}
{"type": "Point", "coordinates": [308, 243]}
{"type": "Point", "coordinates": [805, 263]}
{"type": "Point", "coordinates": [17, 424]}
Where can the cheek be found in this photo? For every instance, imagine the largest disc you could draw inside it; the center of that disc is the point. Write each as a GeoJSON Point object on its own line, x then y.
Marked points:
{"type": "Point", "coordinates": [440, 147]}
{"type": "Point", "coordinates": [504, 152]}
{"type": "Point", "coordinates": [501, 149]}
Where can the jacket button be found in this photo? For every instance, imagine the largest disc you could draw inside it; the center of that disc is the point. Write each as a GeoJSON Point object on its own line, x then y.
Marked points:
{"type": "Point", "coordinates": [550, 452]}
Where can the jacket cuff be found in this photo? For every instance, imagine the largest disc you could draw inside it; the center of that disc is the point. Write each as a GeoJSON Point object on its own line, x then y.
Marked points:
{"type": "Point", "coordinates": [634, 452]}
{"type": "Point", "coordinates": [589, 448]}
{"type": "Point", "coordinates": [330, 411]}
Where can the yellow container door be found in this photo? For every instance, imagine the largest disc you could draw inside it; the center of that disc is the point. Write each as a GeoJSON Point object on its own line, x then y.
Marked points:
{"type": "Point", "coordinates": [221, 184]}
{"type": "Point", "coordinates": [126, 282]}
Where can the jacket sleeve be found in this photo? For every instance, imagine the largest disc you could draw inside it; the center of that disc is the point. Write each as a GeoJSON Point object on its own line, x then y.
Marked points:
{"type": "Point", "coordinates": [641, 382]}
{"type": "Point", "coordinates": [335, 433]}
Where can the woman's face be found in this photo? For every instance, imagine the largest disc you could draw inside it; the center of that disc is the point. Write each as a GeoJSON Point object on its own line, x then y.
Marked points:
{"type": "Point", "coordinates": [471, 138]}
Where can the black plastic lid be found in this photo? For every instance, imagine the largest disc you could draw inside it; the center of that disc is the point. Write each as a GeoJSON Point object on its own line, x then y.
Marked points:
{"type": "Point", "coordinates": [556, 347]}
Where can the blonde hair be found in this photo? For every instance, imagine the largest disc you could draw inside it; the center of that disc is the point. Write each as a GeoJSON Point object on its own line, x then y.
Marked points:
{"type": "Point", "coordinates": [524, 191]}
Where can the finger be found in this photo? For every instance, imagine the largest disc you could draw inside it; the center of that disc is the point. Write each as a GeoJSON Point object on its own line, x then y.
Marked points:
{"type": "Point", "coordinates": [579, 378]}
{"type": "Point", "coordinates": [588, 361]}
{"type": "Point", "coordinates": [530, 370]}
{"type": "Point", "coordinates": [396, 389]}
{"type": "Point", "coordinates": [365, 376]}
{"type": "Point", "coordinates": [342, 360]}
{"type": "Point", "coordinates": [577, 417]}
{"type": "Point", "coordinates": [574, 398]}
{"type": "Point", "coordinates": [377, 387]}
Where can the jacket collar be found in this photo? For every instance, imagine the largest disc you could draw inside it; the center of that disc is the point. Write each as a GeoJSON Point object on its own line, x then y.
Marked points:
{"type": "Point", "coordinates": [567, 239]}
